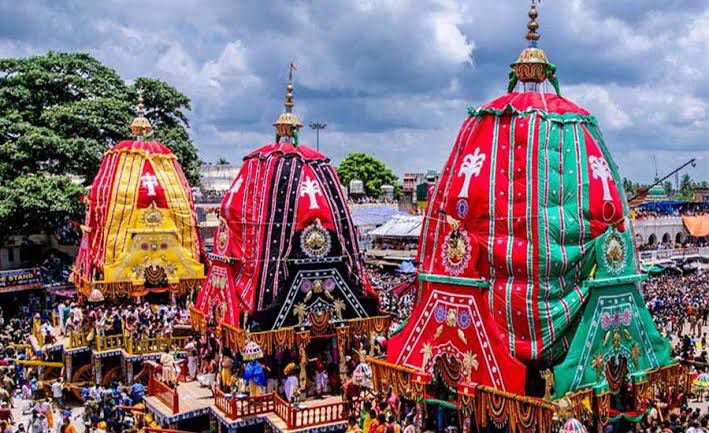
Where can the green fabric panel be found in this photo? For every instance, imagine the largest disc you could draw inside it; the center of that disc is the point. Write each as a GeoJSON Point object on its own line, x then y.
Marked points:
{"type": "Point", "coordinates": [510, 229]}
{"type": "Point", "coordinates": [491, 208]}
{"type": "Point", "coordinates": [443, 403]}
{"type": "Point", "coordinates": [595, 336]}
{"type": "Point", "coordinates": [552, 117]}
{"type": "Point", "coordinates": [534, 123]}
{"type": "Point", "coordinates": [630, 418]}
{"type": "Point", "coordinates": [460, 281]}
{"type": "Point", "coordinates": [542, 220]}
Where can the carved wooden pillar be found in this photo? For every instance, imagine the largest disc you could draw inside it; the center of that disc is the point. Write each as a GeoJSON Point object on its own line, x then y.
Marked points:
{"type": "Point", "coordinates": [68, 366]}
{"type": "Point", "coordinates": [97, 370]}
{"type": "Point", "coordinates": [419, 382]}
{"type": "Point", "coordinates": [303, 337]}
{"type": "Point", "coordinates": [343, 333]}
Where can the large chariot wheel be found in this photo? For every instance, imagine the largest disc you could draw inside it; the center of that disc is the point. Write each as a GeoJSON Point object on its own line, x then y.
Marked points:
{"type": "Point", "coordinates": [81, 378]}
{"type": "Point", "coordinates": [111, 375]}
{"type": "Point", "coordinates": [49, 376]}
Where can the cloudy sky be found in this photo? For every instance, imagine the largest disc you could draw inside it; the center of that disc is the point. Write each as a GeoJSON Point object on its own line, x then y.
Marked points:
{"type": "Point", "coordinates": [394, 77]}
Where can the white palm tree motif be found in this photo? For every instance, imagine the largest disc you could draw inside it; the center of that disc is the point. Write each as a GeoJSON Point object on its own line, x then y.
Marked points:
{"type": "Point", "coordinates": [471, 166]}
{"type": "Point", "coordinates": [311, 188]}
{"type": "Point", "coordinates": [601, 170]}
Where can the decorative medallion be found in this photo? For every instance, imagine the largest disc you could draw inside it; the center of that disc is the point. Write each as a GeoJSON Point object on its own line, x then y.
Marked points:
{"type": "Point", "coordinates": [222, 237]}
{"type": "Point", "coordinates": [614, 252]}
{"type": "Point", "coordinates": [456, 252]}
{"type": "Point", "coordinates": [461, 208]}
{"type": "Point", "coordinates": [315, 240]}
{"type": "Point", "coordinates": [616, 319]}
{"type": "Point", "coordinates": [439, 313]}
{"type": "Point", "coordinates": [464, 319]}
{"type": "Point", "coordinates": [152, 215]}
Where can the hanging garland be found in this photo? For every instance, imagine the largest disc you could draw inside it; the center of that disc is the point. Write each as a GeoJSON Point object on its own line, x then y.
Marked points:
{"type": "Point", "coordinates": [495, 406]}
{"type": "Point", "coordinates": [450, 370]}
{"type": "Point", "coordinates": [603, 404]}
{"type": "Point", "coordinates": [385, 374]}
{"type": "Point", "coordinates": [319, 321]}
{"type": "Point", "coordinates": [467, 403]}
{"type": "Point", "coordinates": [616, 372]}
{"type": "Point", "coordinates": [527, 417]}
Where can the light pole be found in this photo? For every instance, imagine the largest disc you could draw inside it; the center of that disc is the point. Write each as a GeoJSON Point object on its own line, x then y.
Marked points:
{"type": "Point", "coordinates": [317, 126]}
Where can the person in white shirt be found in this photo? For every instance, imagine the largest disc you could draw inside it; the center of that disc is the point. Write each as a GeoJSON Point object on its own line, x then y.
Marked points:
{"type": "Point", "coordinates": [58, 393]}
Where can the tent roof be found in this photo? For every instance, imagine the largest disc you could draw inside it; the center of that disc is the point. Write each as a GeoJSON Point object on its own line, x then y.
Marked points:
{"type": "Point", "coordinates": [373, 216]}
{"type": "Point", "coordinates": [407, 226]}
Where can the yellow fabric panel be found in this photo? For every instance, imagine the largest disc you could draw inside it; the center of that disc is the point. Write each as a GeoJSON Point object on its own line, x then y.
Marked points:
{"type": "Point", "coordinates": [126, 229]}
{"type": "Point", "coordinates": [173, 258]}
{"type": "Point", "coordinates": [123, 203]}
{"type": "Point", "coordinates": [179, 204]}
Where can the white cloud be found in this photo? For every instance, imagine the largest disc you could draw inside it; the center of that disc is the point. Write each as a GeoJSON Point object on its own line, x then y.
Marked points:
{"type": "Point", "coordinates": [599, 101]}
{"type": "Point", "coordinates": [394, 77]}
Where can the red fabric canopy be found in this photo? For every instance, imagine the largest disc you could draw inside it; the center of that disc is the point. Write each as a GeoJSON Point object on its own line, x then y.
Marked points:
{"type": "Point", "coordinates": [527, 101]}
{"type": "Point", "coordinates": [282, 193]}
{"type": "Point", "coordinates": [455, 321]}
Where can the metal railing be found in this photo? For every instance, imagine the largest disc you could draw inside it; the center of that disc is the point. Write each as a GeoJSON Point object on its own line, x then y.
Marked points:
{"type": "Point", "coordinates": [78, 339]}
{"type": "Point", "coordinates": [109, 342]}
{"type": "Point", "coordinates": [235, 408]}
{"type": "Point", "coordinates": [676, 253]}
{"type": "Point", "coordinates": [166, 394]}
{"type": "Point", "coordinates": [143, 345]}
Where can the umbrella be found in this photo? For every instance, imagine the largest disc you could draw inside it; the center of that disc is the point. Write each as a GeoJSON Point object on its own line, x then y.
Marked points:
{"type": "Point", "coordinates": [702, 381]}
{"type": "Point", "coordinates": [252, 351]}
{"type": "Point", "coordinates": [95, 296]}
{"type": "Point", "coordinates": [572, 425]}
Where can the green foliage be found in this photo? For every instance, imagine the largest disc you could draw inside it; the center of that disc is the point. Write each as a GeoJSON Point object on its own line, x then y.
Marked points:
{"type": "Point", "coordinates": [686, 187]}
{"type": "Point", "coordinates": [38, 200]}
{"type": "Point", "coordinates": [59, 113]}
{"type": "Point", "coordinates": [372, 172]}
{"type": "Point", "coordinates": [669, 189]}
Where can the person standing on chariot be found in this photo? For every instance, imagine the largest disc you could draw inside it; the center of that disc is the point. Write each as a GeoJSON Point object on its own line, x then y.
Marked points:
{"type": "Point", "coordinates": [254, 373]}
{"type": "Point", "coordinates": [292, 385]}
{"type": "Point", "coordinates": [320, 375]}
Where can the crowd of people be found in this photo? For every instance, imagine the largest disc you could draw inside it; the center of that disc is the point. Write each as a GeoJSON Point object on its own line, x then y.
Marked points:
{"type": "Point", "coordinates": [364, 200]}
{"type": "Point", "coordinates": [139, 321]}
{"type": "Point", "coordinates": [394, 289]}
{"type": "Point", "coordinates": [679, 304]}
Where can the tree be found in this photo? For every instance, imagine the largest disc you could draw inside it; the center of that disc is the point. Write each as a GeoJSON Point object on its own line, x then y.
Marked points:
{"type": "Point", "coordinates": [372, 172]}
{"type": "Point", "coordinates": [686, 187]}
{"type": "Point", "coordinates": [59, 113]}
{"type": "Point", "coordinates": [669, 189]}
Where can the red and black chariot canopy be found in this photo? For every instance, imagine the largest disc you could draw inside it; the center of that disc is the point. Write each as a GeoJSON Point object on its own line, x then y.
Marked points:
{"type": "Point", "coordinates": [286, 250]}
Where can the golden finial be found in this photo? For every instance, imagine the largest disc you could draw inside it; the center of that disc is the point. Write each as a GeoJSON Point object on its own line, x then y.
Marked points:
{"type": "Point", "coordinates": [288, 123]}
{"type": "Point", "coordinates": [532, 66]}
{"type": "Point", "coordinates": [532, 26]}
{"type": "Point", "coordinates": [140, 127]}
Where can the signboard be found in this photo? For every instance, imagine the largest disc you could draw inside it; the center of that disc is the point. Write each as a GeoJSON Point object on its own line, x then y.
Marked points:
{"type": "Point", "coordinates": [20, 279]}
